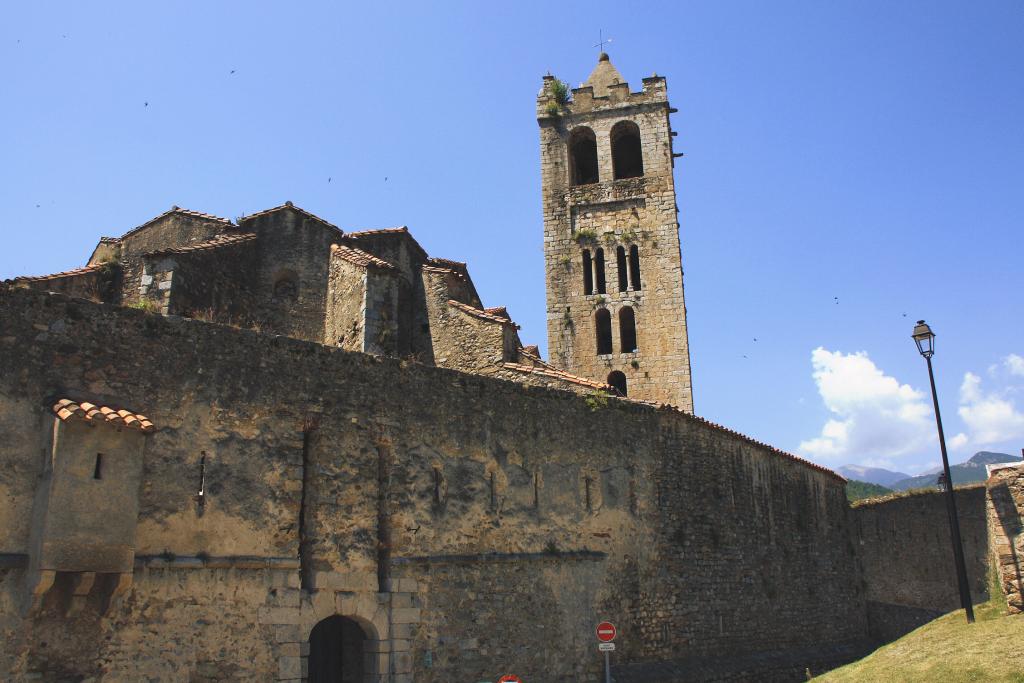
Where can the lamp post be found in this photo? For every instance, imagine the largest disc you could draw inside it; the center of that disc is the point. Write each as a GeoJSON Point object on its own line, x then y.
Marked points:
{"type": "Point", "coordinates": [925, 339]}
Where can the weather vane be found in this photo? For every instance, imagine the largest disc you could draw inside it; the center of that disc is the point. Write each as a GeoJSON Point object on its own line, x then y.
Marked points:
{"type": "Point", "coordinates": [601, 40]}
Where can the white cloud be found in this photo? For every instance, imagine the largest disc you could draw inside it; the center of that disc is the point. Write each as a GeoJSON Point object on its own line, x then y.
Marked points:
{"type": "Point", "coordinates": [990, 417]}
{"type": "Point", "coordinates": [1015, 364]}
{"type": "Point", "coordinates": [958, 442]}
{"type": "Point", "coordinates": [874, 416]}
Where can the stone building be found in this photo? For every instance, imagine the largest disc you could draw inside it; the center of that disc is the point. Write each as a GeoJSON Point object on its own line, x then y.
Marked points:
{"type": "Point", "coordinates": [275, 450]}
{"type": "Point", "coordinates": [615, 306]}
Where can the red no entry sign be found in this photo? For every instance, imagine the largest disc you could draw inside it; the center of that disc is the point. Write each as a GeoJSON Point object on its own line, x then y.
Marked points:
{"type": "Point", "coordinates": [606, 632]}
{"type": "Point", "coordinates": [510, 678]}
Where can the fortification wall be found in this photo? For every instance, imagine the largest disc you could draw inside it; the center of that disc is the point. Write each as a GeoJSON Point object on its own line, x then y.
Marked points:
{"type": "Point", "coordinates": [1004, 504]}
{"type": "Point", "coordinates": [904, 548]}
{"type": "Point", "coordinates": [473, 526]}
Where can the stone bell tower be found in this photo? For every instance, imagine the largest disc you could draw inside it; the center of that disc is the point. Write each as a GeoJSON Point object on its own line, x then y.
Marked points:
{"type": "Point", "coordinates": [614, 273]}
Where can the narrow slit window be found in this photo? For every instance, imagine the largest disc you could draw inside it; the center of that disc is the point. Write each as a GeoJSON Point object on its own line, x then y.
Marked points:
{"type": "Point", "coordinates": [627, 329]}
{"type": "Point", "coordinates": [620, 263]}
{"type": "Point", "coordinates": [97, 470]}
{"type": "Point", "coordinates": [603, 323]}
{"type": "Point", "coordinates": [634, 267]}
{"type": "Point", "coordinates": [599, 268]}
{"type": "Point", "coordinates": [588, 273]}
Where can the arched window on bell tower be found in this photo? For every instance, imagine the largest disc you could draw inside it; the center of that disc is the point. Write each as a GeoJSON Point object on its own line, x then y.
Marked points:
{"type": "Point", "coordinates": [603, 327]}
{"type": "Point", "coordinates": [627, 152]}
{"type": "Point", "coordinates": [588, 273]}
{"type": "Point", "coordinates": [599, 279]}
{"type": "Point", "coordinates": [617, 380]}
{"type": "Point", "coordinates": [583, 156]}
{"type": "Point", "coordinates": [627, 329]}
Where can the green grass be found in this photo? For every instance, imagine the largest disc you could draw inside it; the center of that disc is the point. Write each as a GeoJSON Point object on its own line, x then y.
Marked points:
{"type": "Point", "coordinates": [948, 650]}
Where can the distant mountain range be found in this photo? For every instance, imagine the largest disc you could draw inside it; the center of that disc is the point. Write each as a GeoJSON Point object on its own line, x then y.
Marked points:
{"type": "Point", "coordinates": [872, 475]}
{"type": "Point", "coordinates": [973, 470]}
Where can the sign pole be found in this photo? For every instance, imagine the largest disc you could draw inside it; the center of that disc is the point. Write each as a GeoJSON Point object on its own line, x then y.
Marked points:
{"type": "Point", "coordinates": [607, 669]}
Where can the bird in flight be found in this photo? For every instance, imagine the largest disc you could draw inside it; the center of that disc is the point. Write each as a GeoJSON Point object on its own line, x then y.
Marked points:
{"type": "Point", "coordinates": [328, 179]}
{"type": "Point", "coordinates": [232, 71]}
{"type": "Point", "coordinates": [145, 104]}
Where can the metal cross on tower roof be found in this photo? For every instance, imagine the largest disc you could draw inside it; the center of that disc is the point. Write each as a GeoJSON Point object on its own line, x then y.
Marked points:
{"type": "Point", "coordinates": [601, 40]}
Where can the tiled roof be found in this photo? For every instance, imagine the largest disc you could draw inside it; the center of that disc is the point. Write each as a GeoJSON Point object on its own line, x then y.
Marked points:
{"type": "Point", "coordinates": [499, 311]}
{"type": "Point", "coordinates": [214, 243]}
{"type": "Point", "coordinates": [483, 315]}
{"type": "Point", "coordinates": [360, 257]}
{"type": "Point", "coordinates": [557, 374]}
{"type": "Point", "coordinates": [532, 350]}
{"type": "Point", "coordinates": [447, 271]}
{"type": "Point", "coordinates": [289, 205]}
{"type": "Point", "coordinates": [110, 240]}
{"type": "Point", "coordinates": [777, 451]}
{"type": "Point", "coordinates": [447, 263]}
{"type": "Point", "coordinates": [183, 212]}
{"type": "Point", "coordinates": [66, 409]}
{"type": "Point", "coordinates": [84, 270]}
{"type": "Point", "coordinates": [380, 231]}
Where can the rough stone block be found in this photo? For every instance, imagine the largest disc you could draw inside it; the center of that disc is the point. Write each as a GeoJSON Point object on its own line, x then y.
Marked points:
{"type": "Point", "coordinates": [287, 633]}
{"type": "Point", "coordinates": [278, 615]}
{"type": "Point", "coordinates": [291, 667]}
{"type": "Point", "coordinates": [409, 615]}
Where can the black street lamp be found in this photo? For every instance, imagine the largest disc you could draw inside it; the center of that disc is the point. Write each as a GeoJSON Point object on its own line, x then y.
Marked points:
{"type": "Point", "coordinates": [925, 339]}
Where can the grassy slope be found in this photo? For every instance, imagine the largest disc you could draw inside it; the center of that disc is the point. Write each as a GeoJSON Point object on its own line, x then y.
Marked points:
{"type": "Point", "coordinates": [948, 650]}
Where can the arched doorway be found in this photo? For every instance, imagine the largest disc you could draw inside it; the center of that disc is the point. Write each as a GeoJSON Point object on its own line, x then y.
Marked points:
{"type": "Point", "coordinates": [337, 652]}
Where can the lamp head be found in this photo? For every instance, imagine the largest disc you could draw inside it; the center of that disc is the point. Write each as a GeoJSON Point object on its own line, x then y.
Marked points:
{"type": "Point", "coordinates": [924, 338]}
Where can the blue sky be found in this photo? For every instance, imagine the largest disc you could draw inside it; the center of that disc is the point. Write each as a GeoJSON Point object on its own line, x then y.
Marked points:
{"type": "Point", "coordinates": [865, 153]}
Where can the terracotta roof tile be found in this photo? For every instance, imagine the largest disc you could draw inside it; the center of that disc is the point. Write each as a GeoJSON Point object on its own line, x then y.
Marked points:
{"type": "Point", "coordinates": [557, 374]}
{"type": "Point", "coordinates": [183, 212]}
{"type": "Point", "coordinates": [499, 311]}
{"type": "Point", "coordinates": [360, 257]}
{"type": "Point", "coordinates": [214, 243]}
{"type": "Point", "coordinates": [110, 240]}
{"type": "Point", "coordinates": [447, 263]}
{"type": "Point", "coordinates": [380, 231]}
{"type": "Point", "coordinates": [446, 271]}
{"type": "Point", "coordinates": [773, 449]}
{"type": "Point", "coordinates": [289, 205]}
{"type": "Point", "coordinates": [66, 409]}
{"type": "Point", "coordinates": [84, 270]}
{"type": "Point", "coordinates": [476, 312]}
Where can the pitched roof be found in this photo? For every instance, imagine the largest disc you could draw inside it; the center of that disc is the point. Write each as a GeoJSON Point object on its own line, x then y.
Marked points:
{"type": "Point", "coordinates": [499, 311]}
{"type": "Point", "coordinates": [557, 374]}
{"type": "Point", "coordinates": [84, 270]}
{"type": "Point", "coordinates": [446, 271]}
{"type": "Point", "coordinates": [66, 409]}
{"type": "Point", "coordinates": [183, 212]}
{"type": "Point", "coordinates": [380, 231]}
{"type": "Point", "coordinates": [476, 312]}
{"type": "Point", "coordinates": [289, 205]}
{"type": "Point", "coordinates": [360, 257]}
{"type": "Point", "coordinates": [217, 242]}
{"type": "Point", "coordinates": [603, 75]}
{"type": "Point", "coordinates": [447, 263]}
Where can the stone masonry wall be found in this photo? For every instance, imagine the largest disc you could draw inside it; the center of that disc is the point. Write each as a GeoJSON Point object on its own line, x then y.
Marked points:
{"type": "Point", "coordinates": [904, 548]}
{"type": "Point", "coordinates": [1004, 504]}
{"type": "Point", "coordinates": [441, 510]}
